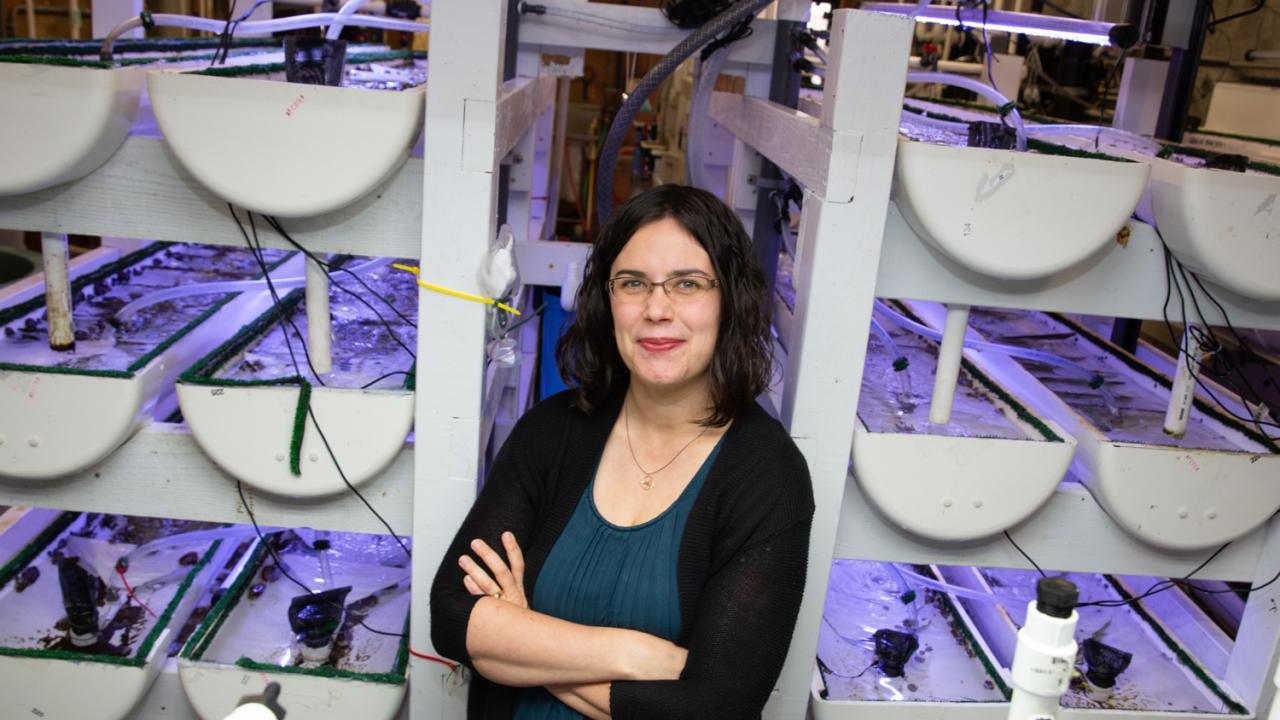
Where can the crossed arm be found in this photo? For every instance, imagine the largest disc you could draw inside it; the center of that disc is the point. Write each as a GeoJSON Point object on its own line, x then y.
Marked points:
{"type": "Point", "coordinates": [515, 646]}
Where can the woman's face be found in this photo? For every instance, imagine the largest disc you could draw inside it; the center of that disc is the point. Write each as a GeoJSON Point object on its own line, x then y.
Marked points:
{"type": "Point", "coordinates": [666, 341]}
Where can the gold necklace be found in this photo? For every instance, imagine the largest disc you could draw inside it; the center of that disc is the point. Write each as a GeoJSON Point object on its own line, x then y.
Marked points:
{"type": "Point", "coordinates": [646, 482]}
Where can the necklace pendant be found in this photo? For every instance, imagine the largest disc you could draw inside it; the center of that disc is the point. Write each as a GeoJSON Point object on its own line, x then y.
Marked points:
{"type": "Point", "coordinates": [646, 482]}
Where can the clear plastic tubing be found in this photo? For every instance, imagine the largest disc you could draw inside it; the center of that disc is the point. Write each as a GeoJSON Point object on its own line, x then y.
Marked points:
{"type": "Point", "coordinates": [230, 286]}
{"type": "Point", "coordinates": [948, 588]}
{"type": "Point", "coordinates": [886, 338]}
{"type": "Point", "coordinates": [263, 27]}
{"type": "Point", "coordinates": [1025, 353]}
{"type": "Point", "coordinates": [191, 538]}
{"type": "Point", "coordinates": [983, 89]}
{"type": "Point", "coordinates": [904, 587]}
{"type": "Point", "coordinates": [1086, 132]}
{"type": "Point", "coordinates": [1096, 133]}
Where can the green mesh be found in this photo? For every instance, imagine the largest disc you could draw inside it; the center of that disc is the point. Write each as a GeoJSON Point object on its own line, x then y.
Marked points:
{"type": "Point", "coordinates": [268, 68]}
{"type": "Point", "coordinates": [59, 61]}
{"type": "Point", "coordinates": [1023, 413]}
{"type": "Point", "coordinates": [33, 548]}
{"type": "Point", "coordinates": [20, 367]}
{"type": "Point", "coordinates": [167, 615]}
{"type": "Point", "coordinates": [299, 427]}
{"type": "Point", "coordinates": [60, 46]}
{"type": "Point", "coordinates": [139, 658]}
{"type": "Point", "coordinates": [1040, 146]}
{"type": "Point", "coordinates": [23, 309]}
{"type": "Point", "coordinates": [394, 678]}
{"type": "Point", "coordinates": [1205, 154]}
{"type": "Point", "coordinates": [204, 370]}
{"type": "Point", "coordinates": [204, 632]}
{"type": "Point", "coordinates": [1047, 148]}
{"type": "Point", "coordinates": [1249, 138]}
{"type": "Point", "coordinates": [992, 671]}
{"type": "Point", "coordinates": [1173, 647]}
{"type": "Point", "coordinates": [1139, 367]}
{"type": "Point", "coordinates": [203, 636]}
{"type": "Point", "coordinates": [96, 64]}
{"type": "Point", "coordinates": [220, 303]}
{"type": "Point", "coordinates": [102, 273]}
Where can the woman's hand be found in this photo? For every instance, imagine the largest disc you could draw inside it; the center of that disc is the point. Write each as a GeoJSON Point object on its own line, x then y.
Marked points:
{"type": "Point", "coordinates": [500, 581]}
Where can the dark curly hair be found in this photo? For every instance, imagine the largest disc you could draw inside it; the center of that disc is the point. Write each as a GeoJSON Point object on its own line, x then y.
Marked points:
{"type": "Point", "coordinates": [587, 354]}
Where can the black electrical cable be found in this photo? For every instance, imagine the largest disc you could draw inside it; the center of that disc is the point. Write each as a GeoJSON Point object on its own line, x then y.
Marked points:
{"type": "Point", "coordinates": [631, 107]}
{"type": "Point", "coordinates": [1106, 88]}
{"type": "Point", "coordinates": [275, 224]}
{"type": "Point", "coordinates": [283, 571]}
{"type": "Point", "coordinates": [375, 381]}
{"type": "Point", "coordinates": [1216, 345]}
{"type": "Point", "coordinates": [312, 414]}
{"type": "Point", "coordinates": [275, 297]}
{"type": "Point", "coordinates": [1215, 23]}
{"type": "Point", "coordinates": [1245, 346]}
{"type": "Point", "coordinates": [311, 410]}
{"type": "Point", "coordinates": [1164, 585]}
{"type": "Point", "coordinates": [1023, 553]}
{"type": "Point", "coordinates": [1171, 285]}
{"type": "Point", "coordinates": [329, 270]}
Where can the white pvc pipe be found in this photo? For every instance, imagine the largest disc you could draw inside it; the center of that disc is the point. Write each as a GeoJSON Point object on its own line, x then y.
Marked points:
{"type": "Point", "coordinates": [1183, 391]}
{"type": "Point", "coordinates": [949, 354]}
{"type": "Point", "coordinates": [57, 292]}
{"type": "Point", "coordinates": [260, 27]}
{"type": "Point", "coordinates": [319, 322]}
{"type": "Point", "coordinates": [948, 66]}
{"type": "Point", "coordinates": [345, 12]}
{"type": "Point", "coordinates": [1042, 661]}
{"type": "Point", "coordinates": [991, 94]}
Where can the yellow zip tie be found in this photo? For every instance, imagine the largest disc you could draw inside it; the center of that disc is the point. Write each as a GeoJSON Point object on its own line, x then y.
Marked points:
{"type": "Point", "coordinates": [454, 293]}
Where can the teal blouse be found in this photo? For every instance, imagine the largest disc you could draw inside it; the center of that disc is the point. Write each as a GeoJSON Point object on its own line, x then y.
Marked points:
{"type": "Point", "coordinates": [605, 575]}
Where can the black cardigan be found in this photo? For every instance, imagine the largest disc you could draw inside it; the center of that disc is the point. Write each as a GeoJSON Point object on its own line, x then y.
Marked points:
{"type": "Point", "coordinates": [741, 568]}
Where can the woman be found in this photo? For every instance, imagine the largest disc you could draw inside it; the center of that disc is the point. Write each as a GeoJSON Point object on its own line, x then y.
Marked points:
{"type": "Point", "coordinates": [639, 547]}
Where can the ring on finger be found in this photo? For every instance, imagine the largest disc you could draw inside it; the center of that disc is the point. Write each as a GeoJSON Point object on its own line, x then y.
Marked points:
{"type": "Point", "coordinates": [497, 595]}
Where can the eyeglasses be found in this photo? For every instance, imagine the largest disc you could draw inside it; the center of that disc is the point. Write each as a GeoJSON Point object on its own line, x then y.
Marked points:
{"type": "Point", "coordinates": [680, 288]}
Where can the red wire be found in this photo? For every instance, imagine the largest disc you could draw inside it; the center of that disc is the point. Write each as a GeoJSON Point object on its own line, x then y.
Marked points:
{"type": "Point", "coordinates": [433, 658]}
{"type": "Point", "coordinates": [120, 571]}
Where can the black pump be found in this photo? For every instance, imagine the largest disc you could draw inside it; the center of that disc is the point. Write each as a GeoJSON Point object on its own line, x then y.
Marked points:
{"type": "Point", "coordinates": [1104, 662]}
{"type": "Point", "coordinates": [893, 649]}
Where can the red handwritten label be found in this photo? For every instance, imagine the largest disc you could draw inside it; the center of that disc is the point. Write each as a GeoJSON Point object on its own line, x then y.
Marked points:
{"type": "Point", "coordinates": [1192, 462]}
{"type": "Point", "coordinates": [294, 105]}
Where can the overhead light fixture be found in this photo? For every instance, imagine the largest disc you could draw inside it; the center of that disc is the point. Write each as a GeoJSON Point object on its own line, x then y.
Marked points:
{"type": "Point", "coordinates": [1122, 35]}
